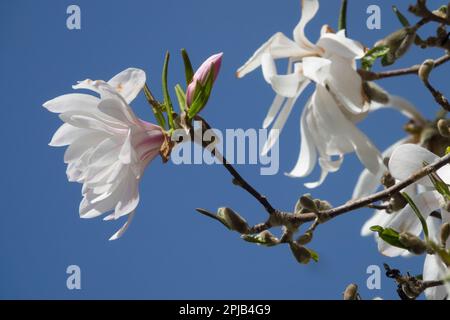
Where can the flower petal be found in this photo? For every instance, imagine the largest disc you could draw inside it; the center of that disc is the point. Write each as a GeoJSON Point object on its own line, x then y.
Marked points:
{"type": "Point", "coordinates": [289, 85]}
{"type": "Point", "coordinates": [124, 228]}
{"type": "Point", "coordinates": [128, 83]}
{"type": "Point", "coordinates": [278, 46]}
{"type": "Point", "coordinates": [309, 10]}
{"type": "Point", "coordinates": [72, 102]}
{"type": "Point", "coordinates": [410, 158]}
{"type": "Point", "coordinates": [337, 44]}
{"type": "Point", "coordinates": [308, 153]}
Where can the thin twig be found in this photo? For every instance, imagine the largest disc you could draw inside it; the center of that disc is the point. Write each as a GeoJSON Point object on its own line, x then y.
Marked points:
{"type": "Point", "coordinates": [370, 76]}
{"type": "Point", "coordinates": [238, 179]}
{"type": "Point", "coordinates": [382, 195]}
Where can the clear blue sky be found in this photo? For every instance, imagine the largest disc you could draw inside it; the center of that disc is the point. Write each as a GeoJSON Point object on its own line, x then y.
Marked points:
{"type": "Point", "coordinates": [170, 251]}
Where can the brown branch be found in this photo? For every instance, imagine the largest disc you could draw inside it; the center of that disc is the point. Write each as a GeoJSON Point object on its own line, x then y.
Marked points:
{"type": "Point", "coordinates": [370, 76]}
{"type": "Point", "coordinates": [382, 195]}
{"type": "Point", "coordinates": [237, 178]}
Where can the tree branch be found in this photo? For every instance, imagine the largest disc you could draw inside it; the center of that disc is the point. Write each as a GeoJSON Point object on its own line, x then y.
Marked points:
{"type": "Point", "coordinates": [370, 76]}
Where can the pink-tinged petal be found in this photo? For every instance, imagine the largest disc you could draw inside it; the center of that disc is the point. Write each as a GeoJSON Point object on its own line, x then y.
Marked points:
{"type": "Point", "coordinates": [213, 64]}
{"type": "Point", "coordinates": [72, 102]}
{"type": "Point", "coordinates": [309, 10]}
{"type": "Point", "coordinates": [128, 83]}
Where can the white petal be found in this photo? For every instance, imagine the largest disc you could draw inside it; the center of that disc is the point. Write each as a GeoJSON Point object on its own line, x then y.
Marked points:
{"type": "Point", "coordinates": [72, 102]}
{"type": "Point", "coordinates": [410, 158]}
{"type": "Point", "coordinates": [379, 218]}
{"type": "Point", "coordinates": [309, 10]}
{"type": "Point", "coordinates": [80, 146]}
{"type": "Point", "coordinates": [273, 110]}
{"type": "Point", "coordinates": [316, 69]}
{"type": "Point", "coordinates": [368, 183]}
{"type": "Point", "coordinates": [129, 198]}
{"type": "Point", "coordinates": [269, 69]}
{"type": "Point", "coordinates": [279, 124]}
{"type": "Point", "coordinates": [128, 83]}
{"type": "Point", "coordinates": [308, 153]}
{"type": "Point", "coordinates": [118, 110]}
{"type": "Point", "coordinates": [278, 46]}
{"type": "Point", "coordinates": [289, 85]}
{"type": "Point", "coordinates": [67, 134]}
{"type": "Point", "coordinates": [124, 228]}
{"type": "Point", "coordinates": [335, 44]}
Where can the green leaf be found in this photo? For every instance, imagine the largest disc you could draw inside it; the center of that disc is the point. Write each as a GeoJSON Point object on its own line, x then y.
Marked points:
{"type": "Point", "coordinates": [314, 255]}
{"type": "Point", "coordinates": [188, 70]}
{"type": "Point", "coordinates": [156, 111]}
{"type": "Point", "coordinates": [389, 235]}
{"type": "Point", "coordinates": [201, 95]}
{"type": "Point", "coordinates": [418, 214]}
{"type": "Point", "coordinates": [372, 55]}
{"type": "Point", "coordinates": [181, 96]}
{"type": "Point", "coordinates": [401, 17]}
{"type": "Point", "coordinates": [447, 151]}
{"type": "Point", "coordinates": [343, 16]}
{"type": "Point", "coordinates": [167, 101]}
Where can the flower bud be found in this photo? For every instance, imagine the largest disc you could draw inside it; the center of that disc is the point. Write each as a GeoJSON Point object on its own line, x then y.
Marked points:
{"type": "Point", "coordinates": [305, 238]}
{"type": "Point", "coordinates": [398, 42]}
{"type": "Point", "coordinates": [443, 128]}
{"type": "Point", "coordinates": [351, 292]}
{"type": "Point", "coordinates": [375, 93]}
{"type": "Point", "coordinates": [212, 64]}
{"type": "Point", "coordinates": [308, 202]}
{"type": "Point", "coordinates": [301, 254]}
{"type": "Point", "coordinates": [412, 243]}
{"type": "Point", "coordinates": [425, 69]}
{"type": "Point", "coordinates": [445, 233]}
{"type": "Point", "coordinates": [267, 238]}
{"type": "Point", "coordinates": [233, 220]}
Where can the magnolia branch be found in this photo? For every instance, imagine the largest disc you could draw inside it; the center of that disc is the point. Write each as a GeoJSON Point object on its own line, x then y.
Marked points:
{"type": "Point", "coordinates": [371, 76]}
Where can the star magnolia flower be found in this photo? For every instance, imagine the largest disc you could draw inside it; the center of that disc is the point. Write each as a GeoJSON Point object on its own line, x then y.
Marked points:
{"type": "Point", "coordinates": [328, 120]}
{"type": "Point", "coordinates": [109, 147]}
{"type": "Point", "coordinates": [404, 161]}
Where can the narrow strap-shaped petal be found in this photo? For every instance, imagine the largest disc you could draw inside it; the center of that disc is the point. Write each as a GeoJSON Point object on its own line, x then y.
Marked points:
{"type": "Point", "coordinates": [278, 46]}
{"type": "Point", "coordinates": [72, 102]}
{"type": "Point", "coordinates": [309, 10]}
{"type": "Point", "coordinates": [124, 228]}
{"type": "Point", "coordinates": [308, 153]}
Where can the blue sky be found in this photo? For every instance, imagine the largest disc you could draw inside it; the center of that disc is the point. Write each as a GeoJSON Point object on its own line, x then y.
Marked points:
{"type": "Point", "coordinates": [170, 252]}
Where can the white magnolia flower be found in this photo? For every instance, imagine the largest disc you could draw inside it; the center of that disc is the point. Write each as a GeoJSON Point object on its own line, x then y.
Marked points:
{"type": "Point", "coordinates": [109, 147]}
{"type": "Point", "coordinates": [328, 120]}
{"type": "Point", "coordinates": [406, 159]}
{"type": "Point", "coordinates": [434, 268]}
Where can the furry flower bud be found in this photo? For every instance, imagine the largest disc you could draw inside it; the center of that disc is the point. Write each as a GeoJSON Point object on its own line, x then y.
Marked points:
{"type": "Point", "coordinates": [233, 220]}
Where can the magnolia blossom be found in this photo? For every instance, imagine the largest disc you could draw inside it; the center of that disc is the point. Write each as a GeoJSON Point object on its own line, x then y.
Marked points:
{"type": "Point", "coordinates": [328, 120]}
{"type": "Point", "coordinates": [405, 160]}
{"type": "Point", "coordinates": [108, 146]}
{"type": "Point", "coordinates": [212, 64]}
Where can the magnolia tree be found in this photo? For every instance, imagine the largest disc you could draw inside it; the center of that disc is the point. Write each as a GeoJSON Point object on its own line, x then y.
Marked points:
{"type": "Point", "coordinates": [109, 147]}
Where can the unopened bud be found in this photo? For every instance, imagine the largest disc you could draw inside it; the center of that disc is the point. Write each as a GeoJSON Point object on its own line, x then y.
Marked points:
{"type": "Point", "coordinates": [397, 202]}
{"type": "Point", "coordinates": [233, 220]}
{"type": "Point", "coordinates": [305, 238]}
{"type": "Point", "coordinates": [351, 292]}
{"type": "Point", "coordinates": [387, 180]}
{"type": "Point", "coordinates": [443, 128]}
{"type": "Point", "coordinates": [425, 69]}
{"type": "Point", "coordinates": [375, 93]}
{"type": "Point", "coordinates": [267, 237]}
{"type": "Point", "coordinates": [445, 233]}
{"type": "Point", "coordinates": [398, 42]}
{"type": "Point", "coordinates": [307, 202]}
{"type": "Point", "coordinates": [412, 243]}
{"type": "Point", "coordinates": [300, 253]}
